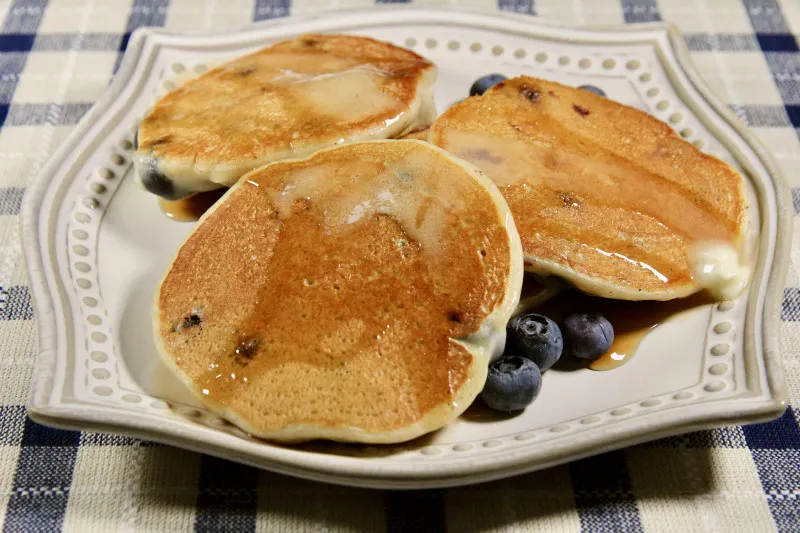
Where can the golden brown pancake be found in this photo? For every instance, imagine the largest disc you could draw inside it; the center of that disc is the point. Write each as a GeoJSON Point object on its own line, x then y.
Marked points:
{"type": "Point", "coordinates": [287, 100]}
{"type": "Point", "coordinates": [603, 195]}
{"type": "Point", "coordinates": [356, 295]}
{"type": "Point", "coordinates": [420, 135]}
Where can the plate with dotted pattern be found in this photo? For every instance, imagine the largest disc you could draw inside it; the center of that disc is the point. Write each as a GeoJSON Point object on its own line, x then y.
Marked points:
{"type": "Point", "coordinates": [96, 247]}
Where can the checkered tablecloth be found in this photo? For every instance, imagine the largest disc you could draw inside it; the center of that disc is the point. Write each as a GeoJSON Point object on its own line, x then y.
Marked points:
{"type": "Point", "coordinates": [56, 59]}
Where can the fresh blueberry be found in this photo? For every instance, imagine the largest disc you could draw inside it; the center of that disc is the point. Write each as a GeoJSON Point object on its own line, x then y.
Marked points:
{"type": "Point", "coordinates": [593, 89]}
{"type": "Point", "coordinates": [536, 337]}
{"type": "Point", "coordinates": [513, 383]}
{"type": "Point", "coordinates": [483, 84]}
{"type": "Point", "coordinates": [588, 335]}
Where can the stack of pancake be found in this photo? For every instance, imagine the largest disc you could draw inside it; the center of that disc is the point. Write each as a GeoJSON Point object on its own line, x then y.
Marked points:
{"type": "Point", "coordinates": [355, 280]}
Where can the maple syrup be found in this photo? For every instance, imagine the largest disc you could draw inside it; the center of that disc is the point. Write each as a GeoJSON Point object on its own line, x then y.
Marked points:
{"type": "Point", "coordinates": [632, 321]}
{"type": "Point", "coordinates": [192, 208]}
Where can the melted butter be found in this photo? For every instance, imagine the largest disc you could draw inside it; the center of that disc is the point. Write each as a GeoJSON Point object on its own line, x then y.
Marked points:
{"type": "Point", "coordinates": [509, 162]}
{"type": "Point", "coordinates": [566, 195]}
{"type": "Point", "coordinates": [632, 321]}
{"type": "Point", "coordinates": [192, 208]}
{"type": "Point", "coordinates": [338, 226]}
{"type": "Point", "coordinates": [351, 95]}
{"type": "Point", "coordinates": [403, 190]}
{"type": "Point", "coordinates": [717, 269]}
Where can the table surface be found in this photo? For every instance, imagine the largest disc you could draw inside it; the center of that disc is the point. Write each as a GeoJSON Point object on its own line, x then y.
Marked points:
{"type": "Point", "coordinates": [56, 59]}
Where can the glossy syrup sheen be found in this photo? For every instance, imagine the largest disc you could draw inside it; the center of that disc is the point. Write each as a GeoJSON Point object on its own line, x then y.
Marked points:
{"type": "Point", "coordinates": [286, 100]}
{"type": "Point", "coordinates": [632, 321]}
{"type": "Point", "coordinates": [335, 290]}
{"type": "Point", "coordinates": [601, 193]}
{"type": "Point", "coordinates": [192, 208]}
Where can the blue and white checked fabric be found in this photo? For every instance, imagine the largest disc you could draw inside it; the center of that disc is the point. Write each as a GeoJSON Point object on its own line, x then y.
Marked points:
{"type": "Point", "coordinates": [57, 57]}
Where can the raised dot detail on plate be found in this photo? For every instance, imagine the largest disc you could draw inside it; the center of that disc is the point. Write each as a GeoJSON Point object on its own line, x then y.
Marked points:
{"type": "Point", "coordinates": [168, 85]}
{"type": "Point", "coordinates": [683, 395]}
{"type": "Point", "coordinates": [722, 327]}
{"type": "Point", "coordinates": [102, 391]}
{"type": "Point", "coordinates": [200, 68]}
{"type": "Point", "coordinates": [430, 43]}
{"type": "Point", "coordinates": [158, 404]}
{"type": "Point", "coordinates": [101, 373]}
{"type": "Point", "coordinates": [189, 412]}
{"type": "Point", "coordinates": [620, 411]}
{"type": "Point", "coordinates": [699, 143]}
{"type": "Point", "coordinates": [131, 398]}
{"type": "Point", "coordinates": [645, 77]}
{"type": "Point", "coordinates": [520, 53]}
{"type": "Point", "coordinates": [475, 47]}
{"type": "Point", "coordinates": [633, 64]}
{"type": "Point", "coordinates": [585, 63]}
{"type": "Point", "coordinates": [83, 283]}
{"type": "Point", "coordinates": [651, 92]}
{"type": "Point", "coordinates": [97, 188]}
{"type": "Point", "coordinates": [715, 386]}
{"type": "Point", "coordinates": [561, 428]}
{"type": "Point", "coordinates": [177, 68]}
{"type": "Point", "coordinates": [219, 422]}
{"type": "Point", "coordinates": [726, 305]}
{"type": "Point", "coordinates": [99, 357]}
{"type": "Point", "coordinates": [90, 202]}
{"type": "Point", "coordinates": [590, 420]}
{"type": "Point", "coordinates": [411, 42]}
{"type": "Point", "coordinates": [431, 450]}
{"type": "Point", "coordinates": [718, 369]}
{"type": "Point", "coordinates": [89, 301]}
{"type": "Point", "coordinates": [686, 132]}
{"type": "Point", "coordinates": [125, 144]}
{"type": "Point", "coordinates": [80, 249]}
{"type": "Point", "coordinates": [650, 403]}
{"type": "Point", "coordinates": [525, 436]}
{"type": "Point", "coordinates": [105, 173]}
{"type": "Point", "coordinates": [609, 64]}
{"type": "Point", "coordinates": [80, 234]}
{"type": "Point", "coordinates": [454, 45]}
{"type": "Point", "coordinates": [117, 159]}
{"type": "Point", "coordinates": [541, 57]}
{"type": "Point", "coordinates": [720, 349]}
{"type": "Point", "coordinates": [82, 217]}
{"type": "Point", "coordinates": [563, 60]}
{"type": "Point", "coordinates": [94, 320]}
{"type": "Point", "coordinates": [99, 337]}
{"type": "Point", "coordinates": [462, 447]}
{"type": "Point", "coordinates": [82, 267]}
{"type": "Point", "coordinates": [492, 444]}
{"type": "Point", "coordinates": [675, 118]}
{"type": "Point", "coordinates": [662, 105]}
{"type": "Point", "coordinates": [498, 50]}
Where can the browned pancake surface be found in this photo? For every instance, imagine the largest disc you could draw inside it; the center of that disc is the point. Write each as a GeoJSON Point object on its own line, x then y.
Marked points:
{"type": "Point", "coordinates": [309, 91]}
{"type": "Point", "coordinates": [598, 190]}
{"type": "Point", "coordinates": [289, 305]}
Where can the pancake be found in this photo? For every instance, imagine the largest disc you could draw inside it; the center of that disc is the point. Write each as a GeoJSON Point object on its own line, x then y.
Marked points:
{"type": "Point", "coordinates": [356, 295]}
{"type": "Point", "coordinates": [288, 100]}
{"type": "Point", "coordinates": [536, 292]}
{"type": "Point", "coordinates": [604, 196]}
{"type": "Point", "coordinates": [420, 135]}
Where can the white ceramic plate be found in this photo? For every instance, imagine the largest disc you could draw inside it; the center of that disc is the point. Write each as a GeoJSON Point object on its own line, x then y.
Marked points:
{"type": "Point", "coordinates": [96, 246]}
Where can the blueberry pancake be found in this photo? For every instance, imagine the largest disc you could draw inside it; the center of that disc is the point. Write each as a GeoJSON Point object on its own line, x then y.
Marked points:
{"type": "Point", "coordinates": [287, 100]}
{"type": "Point", "coordinates": [603, 195]}
{"type": "Point", "coordinates": [355, 295]}
{"type": "Point", "coordinates": [420, 135]}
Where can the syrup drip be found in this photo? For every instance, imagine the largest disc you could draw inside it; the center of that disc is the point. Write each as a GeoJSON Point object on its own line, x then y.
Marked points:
{"type": "Point", "coordinates": [192, 208]}
{"type": "Point", "coordinates": [632, 321]}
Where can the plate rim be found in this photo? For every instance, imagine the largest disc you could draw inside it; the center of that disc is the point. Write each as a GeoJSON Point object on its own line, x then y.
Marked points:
{"type": "Point", "coordinates": [343, 469]}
